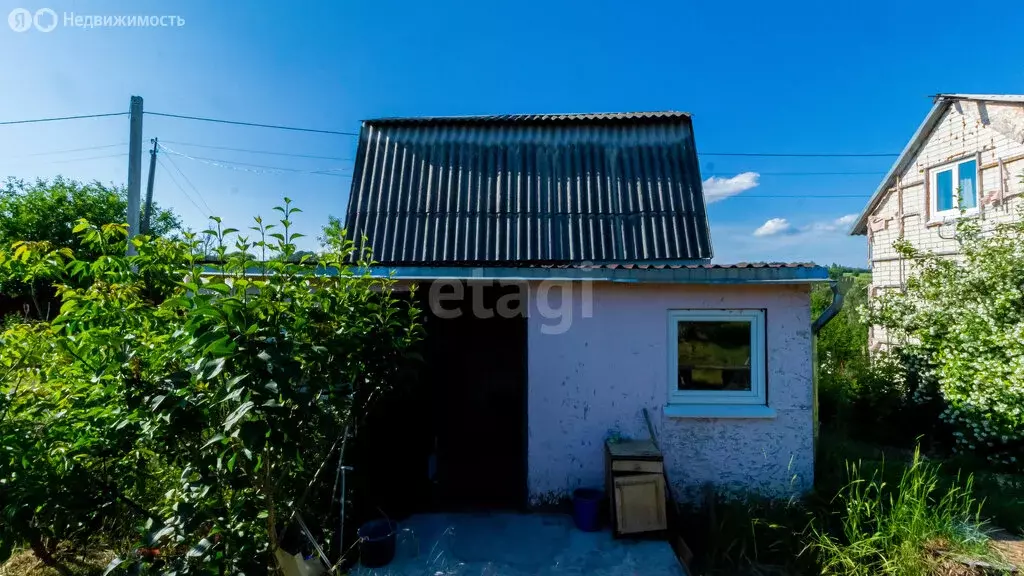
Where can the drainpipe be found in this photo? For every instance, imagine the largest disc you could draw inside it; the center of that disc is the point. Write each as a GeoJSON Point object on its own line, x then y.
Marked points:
{"type": "Point", "coordinates": [826, 316]}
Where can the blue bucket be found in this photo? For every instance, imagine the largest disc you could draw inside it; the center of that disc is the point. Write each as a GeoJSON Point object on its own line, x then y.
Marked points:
{"type": "Point", "coordinates": [586, 508]}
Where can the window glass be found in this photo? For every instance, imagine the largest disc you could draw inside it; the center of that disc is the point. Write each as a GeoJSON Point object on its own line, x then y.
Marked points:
{"type": "Point", "coordinates": [944, 190]}
{"type": "Point", "coordinates": [714, 356]}
{"type": "Point", "coordinates": [968, 184]}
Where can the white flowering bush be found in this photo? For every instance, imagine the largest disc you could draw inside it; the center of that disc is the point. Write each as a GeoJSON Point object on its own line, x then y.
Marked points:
{"type": "Point", "coordinates": [963, 320]}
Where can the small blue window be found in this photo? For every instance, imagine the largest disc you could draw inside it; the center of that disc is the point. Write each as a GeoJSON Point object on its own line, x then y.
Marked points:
{"type": "Point", "coordinates": [944, 191]}
{"type": "Point", "coordinates": [968, 176]}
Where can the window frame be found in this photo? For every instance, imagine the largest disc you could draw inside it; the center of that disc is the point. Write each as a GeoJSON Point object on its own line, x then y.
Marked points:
{"type": "Point", "coordinates": [758, 394]}
{"type": "Point", "coordinates": [933, 189]}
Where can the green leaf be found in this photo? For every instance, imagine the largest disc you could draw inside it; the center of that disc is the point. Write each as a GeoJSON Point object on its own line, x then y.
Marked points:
{"type": "Point", "coordinates": [237, 415]}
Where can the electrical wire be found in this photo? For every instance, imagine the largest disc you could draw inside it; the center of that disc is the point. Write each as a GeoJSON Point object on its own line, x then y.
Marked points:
{"type": "Point", "coordinates": [808, 174]}
{"type": "Point", "coordinates": [787, 155]}
{"type": "Point", "coordinates": [252, 124]}
{"type": "Point", "coordinates": [254, 168]}
{"type": "Point", "coordinates": [68, 151]}
{"type": "Point", "coordinates": [801, 196]}
{"type": "Point", "coordinates": [266, 152]}
{"type": "Point", "coordinates": [57, 119]}
{"type": "Point", "coordinates": [189, 182]}
{"type": "Point", "coordinates": [180, 189]}
{"type": "Point", "coordinates": [121, 155]}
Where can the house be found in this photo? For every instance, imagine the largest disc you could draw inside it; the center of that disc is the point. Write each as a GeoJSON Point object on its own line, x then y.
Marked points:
{"type": "Point", "coordinates": [564, 264]}
{"type": "Point", "coordinates": [967, 153]}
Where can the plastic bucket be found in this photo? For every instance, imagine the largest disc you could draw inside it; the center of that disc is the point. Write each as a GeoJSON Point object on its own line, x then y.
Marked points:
{"type": "Point", "coordinates": [586, 508]}
{"type": "Point", "coordinates": [377, 543]}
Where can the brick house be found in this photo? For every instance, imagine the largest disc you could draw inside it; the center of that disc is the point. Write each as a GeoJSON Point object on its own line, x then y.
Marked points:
{"type": "Point", "coordinates": [971, 143]}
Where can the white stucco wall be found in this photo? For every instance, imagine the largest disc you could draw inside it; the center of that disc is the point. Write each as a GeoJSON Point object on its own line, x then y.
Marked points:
{"type": "Point", "coordinates": [994, 130]}
{"type": "Point", "coordinates": [599, 373]}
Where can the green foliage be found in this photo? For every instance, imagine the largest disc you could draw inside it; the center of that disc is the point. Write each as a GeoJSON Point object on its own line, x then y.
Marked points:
{"type": "Point", "coordinates": [894, 529]}
{"type": "Point", "coordinates": [962, 323]}
{"type": "Point", "coordinates": [46, 211]}
{"type": "Point", "coordinates": [207, 403]}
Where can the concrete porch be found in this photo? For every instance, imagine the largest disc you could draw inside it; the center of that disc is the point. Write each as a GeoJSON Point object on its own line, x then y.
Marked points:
{"type": "Point", "coordinates": [506, 544]}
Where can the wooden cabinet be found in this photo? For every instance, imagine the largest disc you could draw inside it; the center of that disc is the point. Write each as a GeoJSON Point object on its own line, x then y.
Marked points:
{"type": "Point", "coordinates": [636, 484]}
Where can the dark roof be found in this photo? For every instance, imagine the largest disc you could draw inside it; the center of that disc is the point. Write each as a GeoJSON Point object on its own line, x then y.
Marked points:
{"type": "Point", "coordinates": [575, 117]}
{"type": "Point", "coordinates": [522, 189]}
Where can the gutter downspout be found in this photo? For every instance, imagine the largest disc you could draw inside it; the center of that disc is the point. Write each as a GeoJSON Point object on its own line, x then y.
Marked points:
{"type": "Point", "coordinates": [826, 316]}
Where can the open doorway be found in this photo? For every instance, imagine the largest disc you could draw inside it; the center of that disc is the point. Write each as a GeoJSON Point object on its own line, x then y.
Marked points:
{"type": "Point", "coordinates": [475, 353]}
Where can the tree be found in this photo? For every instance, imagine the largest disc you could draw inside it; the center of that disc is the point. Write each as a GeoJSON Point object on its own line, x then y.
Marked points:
{"type": "Point", "coordinates": [208, 415]}
{"type": "Point", "coordinates": [47, 211]}
{"type": "Point", "coordinates": [962, 320]}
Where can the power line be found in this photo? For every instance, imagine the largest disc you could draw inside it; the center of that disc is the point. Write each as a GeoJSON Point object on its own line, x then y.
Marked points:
{"type": "Point", "coordinates": [121, 155]}
{"type": "Point", "coordinates": [69, 151]}
{"type": "Point", "coordinates": [267, 152]}
{"type": "Point", "coordinates": [170, 174]}
{"type": "Point", "coordinates": [253, 124]}
{"type": "Point", "coordinates": [254, 168]}
{"type": "Point", "coordinates": [808, 174]}
{"type": "Point", "coordinates": [37, 120]}
{"type": "Point", "coordinates": [786, 155]}
{"type": "Point", "coordinates": [801, 196]}
{"type": "Point", "coordinates": [189, 182]}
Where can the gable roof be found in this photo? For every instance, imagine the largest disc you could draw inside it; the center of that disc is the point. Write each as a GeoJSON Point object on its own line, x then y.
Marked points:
{"type": "Point", "coordinates": [942, 102]}
{"type": "Point", "coordinates": [529, 189]}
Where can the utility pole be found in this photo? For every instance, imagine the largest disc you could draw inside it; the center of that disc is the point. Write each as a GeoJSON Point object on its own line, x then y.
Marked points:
{"type": "Point", "coordinates": [149, 189]}
{"type": "Point", "coordinates": [134, 169]}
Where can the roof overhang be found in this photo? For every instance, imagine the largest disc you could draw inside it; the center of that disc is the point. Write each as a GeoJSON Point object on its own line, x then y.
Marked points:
{"type": "Point", "coordinates": [939, 108]}
{"type": "Point", "coordinates": [709, 274]}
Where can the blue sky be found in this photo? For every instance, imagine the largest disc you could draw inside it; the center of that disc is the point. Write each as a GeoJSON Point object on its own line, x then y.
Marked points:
{"type": "Point", "coordinates": [791, 77]}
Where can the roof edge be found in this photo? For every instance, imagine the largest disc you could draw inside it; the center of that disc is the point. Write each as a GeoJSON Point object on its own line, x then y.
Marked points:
{"type": "Point", "coordinates": [707, 274]}
{"type": "Point", "coordinates": [498, 118]}
{"type": "Point", "coordinates": [909, 151]}
{"type": "Point", "coordinates": [939, 107]}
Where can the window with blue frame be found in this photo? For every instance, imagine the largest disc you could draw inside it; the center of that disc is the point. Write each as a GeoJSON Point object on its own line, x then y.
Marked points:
{"type": "Point", "coordinates": [954, 187]}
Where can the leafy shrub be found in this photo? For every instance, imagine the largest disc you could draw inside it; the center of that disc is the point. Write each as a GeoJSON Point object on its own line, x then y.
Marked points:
{"type": "Point", "coordinates": [886, 529]}
{"type": "Point", "coordinates": [209, 402]}
{"type": "Point", "coordinates": [962, 322]}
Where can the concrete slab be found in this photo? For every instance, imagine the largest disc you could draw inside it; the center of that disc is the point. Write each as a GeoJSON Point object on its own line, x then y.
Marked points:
{"type": "Point", "coordinates": [519, 545]}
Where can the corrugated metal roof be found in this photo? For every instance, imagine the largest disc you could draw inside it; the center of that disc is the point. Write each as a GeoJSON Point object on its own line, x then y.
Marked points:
{"type": "Point", "coordinates": [775, 273]}
{"type": "Point", "coordinates": [532, 117]}
{"type": "Point", "coordinates": [559, 188]}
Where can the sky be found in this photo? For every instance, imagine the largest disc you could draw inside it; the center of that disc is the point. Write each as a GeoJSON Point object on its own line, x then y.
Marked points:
{"type": "Point", "coordinates": [758, 77]}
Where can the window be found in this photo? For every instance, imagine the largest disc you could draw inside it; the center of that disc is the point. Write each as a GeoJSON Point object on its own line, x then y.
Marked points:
{"type": "Point", "coordinates": [717, 357]}
{"type": "Point", "coordinates": [954, 186]}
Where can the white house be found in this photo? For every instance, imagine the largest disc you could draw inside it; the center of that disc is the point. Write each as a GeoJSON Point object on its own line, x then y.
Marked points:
{"type": "Point", "coordinates": [968, 143]}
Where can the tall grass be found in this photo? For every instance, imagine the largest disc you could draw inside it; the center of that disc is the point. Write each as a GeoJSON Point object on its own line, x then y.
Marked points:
{"type": "Point", "coordinates": [884, 529]}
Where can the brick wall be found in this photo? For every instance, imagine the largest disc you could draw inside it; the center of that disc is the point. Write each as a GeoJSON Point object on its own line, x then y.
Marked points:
{"type": "Point", "coordinates": [987, 131]}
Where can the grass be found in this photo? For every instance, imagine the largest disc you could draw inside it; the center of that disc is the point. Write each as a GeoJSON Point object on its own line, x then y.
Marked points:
{"type": "Point", "coordinates": [873, 512]}
{"type": "Point", "coordinates": [901, 529]}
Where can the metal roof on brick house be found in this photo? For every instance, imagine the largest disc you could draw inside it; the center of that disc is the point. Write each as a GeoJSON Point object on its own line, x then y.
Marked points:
{"type": "Point", "coordinates": [529, 189]}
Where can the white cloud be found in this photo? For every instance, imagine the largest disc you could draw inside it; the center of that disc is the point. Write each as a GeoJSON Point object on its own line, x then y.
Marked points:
{"type": "Point", "coordinates": [716, 188]}
{"type": "Point", "coordinates": [841, 224]}
{"type": "Point", "coordinates": [846, 220]}
{"type": "Point", "coordinates": [774, 227]}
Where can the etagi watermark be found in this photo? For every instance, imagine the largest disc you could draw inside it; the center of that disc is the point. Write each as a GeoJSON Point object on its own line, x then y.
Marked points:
{"type": "Point", "coordinates": [47, 20]}
{"type": "Point", "coordinates": [555, 302]}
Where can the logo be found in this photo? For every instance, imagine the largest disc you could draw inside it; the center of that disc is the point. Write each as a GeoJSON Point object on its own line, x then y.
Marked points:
{"type": "Point", "coordinates": [45, 20]}
{"type": "Point", "coordinates": [20, 20]}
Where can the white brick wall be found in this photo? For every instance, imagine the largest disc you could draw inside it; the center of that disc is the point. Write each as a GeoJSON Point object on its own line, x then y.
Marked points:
{"type": "Point", "coordinates": [997, 132]}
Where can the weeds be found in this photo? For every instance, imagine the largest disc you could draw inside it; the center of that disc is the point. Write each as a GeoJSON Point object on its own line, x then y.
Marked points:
{"type": "Point", "coordinates": [899, 529]}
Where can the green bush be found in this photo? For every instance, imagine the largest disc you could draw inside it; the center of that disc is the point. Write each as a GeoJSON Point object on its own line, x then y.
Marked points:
{"type": "Point", "coordinates": [962, 323]}
{"type": "Point", "coordinates": [207, 402]}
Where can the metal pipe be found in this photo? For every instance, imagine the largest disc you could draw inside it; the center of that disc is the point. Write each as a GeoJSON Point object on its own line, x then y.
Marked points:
{"type": "Point", "coordinates": [833, 309]}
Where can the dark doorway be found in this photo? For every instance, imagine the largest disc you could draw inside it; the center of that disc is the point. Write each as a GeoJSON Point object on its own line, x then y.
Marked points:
{"type": "Point", "coordinates": [476, 372]}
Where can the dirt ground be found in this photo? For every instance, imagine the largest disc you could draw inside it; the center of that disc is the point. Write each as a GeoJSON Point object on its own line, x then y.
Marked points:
{"type": "Point", "coordinates": [25, 563]}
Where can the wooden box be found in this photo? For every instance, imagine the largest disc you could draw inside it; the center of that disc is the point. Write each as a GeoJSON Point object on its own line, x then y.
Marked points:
{"type": "Point", "coordinates": [636, 484]}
